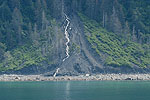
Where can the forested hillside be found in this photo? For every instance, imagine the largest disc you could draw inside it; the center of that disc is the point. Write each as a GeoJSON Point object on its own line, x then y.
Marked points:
{"type": "Point", "coordinates": [100, 36]}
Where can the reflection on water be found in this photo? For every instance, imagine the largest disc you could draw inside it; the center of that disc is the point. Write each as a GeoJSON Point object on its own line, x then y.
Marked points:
{"type": "Point", "coordinates": [67, 91]}
{"type": "Point", "coordinates": [75, 90]}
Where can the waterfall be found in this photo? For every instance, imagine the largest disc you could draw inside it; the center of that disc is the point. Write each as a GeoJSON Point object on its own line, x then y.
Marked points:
{"type": "Point", "coordinates": [57, 70]}
{"type": "Point", "coordinates": [67, 37]}
{"type": "Point", "coordinates": [67, 42]}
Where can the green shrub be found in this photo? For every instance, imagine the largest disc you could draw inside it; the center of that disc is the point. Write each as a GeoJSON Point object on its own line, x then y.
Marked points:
{"type": "Point", "coordinates": [120, 52]}
{"type": "Point", "coordinates": [21, 57]}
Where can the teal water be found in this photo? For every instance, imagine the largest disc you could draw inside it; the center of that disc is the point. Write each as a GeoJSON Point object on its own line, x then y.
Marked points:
{"type": "Point", "coordinates": [75, 90]}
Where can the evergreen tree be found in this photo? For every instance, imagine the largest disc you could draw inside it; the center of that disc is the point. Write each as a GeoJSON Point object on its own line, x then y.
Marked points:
{"type": "Point", "coordinates": [17, 24]}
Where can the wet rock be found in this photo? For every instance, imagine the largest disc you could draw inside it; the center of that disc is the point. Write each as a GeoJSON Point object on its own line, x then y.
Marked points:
{"type": "Point", "coordinates": [129, 78]}
{"type": "Point", "coordinates": [37, 78]}
{"type": "Point", "coordinates": [17, 78]}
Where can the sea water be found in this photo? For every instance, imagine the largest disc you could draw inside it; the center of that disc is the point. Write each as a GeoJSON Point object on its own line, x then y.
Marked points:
{"type": "Point", "coordinates": [75, 90]}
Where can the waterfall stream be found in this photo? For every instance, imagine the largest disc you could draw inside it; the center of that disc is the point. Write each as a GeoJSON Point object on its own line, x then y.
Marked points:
{"type": "Point", "coordinates": [67, 42]}
{"type": "Point", "coordinates": [57, 70]}
{"type": "Point", "coordinates": [67, 38]}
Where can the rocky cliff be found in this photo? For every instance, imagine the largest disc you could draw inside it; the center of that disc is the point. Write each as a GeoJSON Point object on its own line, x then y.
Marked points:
{"type": "Point", "coordinates": [72, 37]}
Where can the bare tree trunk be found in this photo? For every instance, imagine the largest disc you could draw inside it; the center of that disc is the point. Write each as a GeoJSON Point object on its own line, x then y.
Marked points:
{"type": "Point", "coordinates": [133, 34]}
{"type": "Point", "coordinates": [103, 19]}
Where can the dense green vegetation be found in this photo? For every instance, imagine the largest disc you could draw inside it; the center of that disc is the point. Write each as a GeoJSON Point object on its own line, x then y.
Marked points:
{"type": "Point", "coordinates": [31, 31]}
{"type": "Point", "coordinates": [18, 19]}
{"type": "Point", "coordinates": [137, 12]}
{"type": "Point", "coordinates": [21, 57]}
{"type": "Point", "coordinates": [118, 51]}
{"type": "Point", "coordinates": [121, 16]}
{"type": "Point", "coordinates": [24, 33]}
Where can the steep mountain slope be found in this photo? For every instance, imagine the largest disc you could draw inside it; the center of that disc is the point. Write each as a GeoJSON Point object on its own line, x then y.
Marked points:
{"type": "Point", "coordinates": [71, 37]}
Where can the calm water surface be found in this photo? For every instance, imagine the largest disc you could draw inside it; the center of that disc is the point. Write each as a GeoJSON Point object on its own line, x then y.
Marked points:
{"type": "Point", "coordinates": [75, 90]}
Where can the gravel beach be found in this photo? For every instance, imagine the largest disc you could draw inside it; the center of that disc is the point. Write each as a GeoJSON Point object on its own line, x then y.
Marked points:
{"type": "Point", "coordinates": [100, 77]}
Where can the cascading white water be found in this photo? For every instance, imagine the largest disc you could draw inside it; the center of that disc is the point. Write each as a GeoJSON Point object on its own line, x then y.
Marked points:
{"type": "Point", "coordinates": [67, 42]}
{"type": "Point", "coordinates": [67, 37]}
{"type": "Point", "coordinates": [57, 70]}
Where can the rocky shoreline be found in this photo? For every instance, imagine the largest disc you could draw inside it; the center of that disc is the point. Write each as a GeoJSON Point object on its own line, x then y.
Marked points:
{"type": "Point", "coordinates": [100, 77]}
